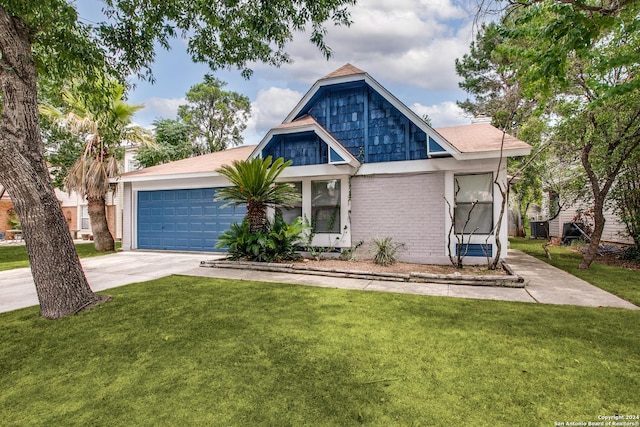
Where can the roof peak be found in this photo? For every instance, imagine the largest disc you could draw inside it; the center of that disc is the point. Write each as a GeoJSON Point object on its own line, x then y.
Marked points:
{"type": "Point", "coordinates": [346, 70]}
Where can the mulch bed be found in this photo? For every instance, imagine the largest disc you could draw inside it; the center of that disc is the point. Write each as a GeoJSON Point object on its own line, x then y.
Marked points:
{"type": "Point", "coordinates": [400, 267]}
{"type": "Point", "coordinates": [613, 260]}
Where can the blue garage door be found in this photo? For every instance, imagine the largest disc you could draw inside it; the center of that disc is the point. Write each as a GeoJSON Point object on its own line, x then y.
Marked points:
{"type": "Point", "coordinates": [183, 220]}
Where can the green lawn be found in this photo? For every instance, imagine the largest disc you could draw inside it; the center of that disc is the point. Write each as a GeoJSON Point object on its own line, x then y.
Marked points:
{"type": "Point", "coordinates": [196, 351]}
{"type": "Point", "coordinates": [15, 256]}
{"type": "Point", "coordinates": [619, 281]}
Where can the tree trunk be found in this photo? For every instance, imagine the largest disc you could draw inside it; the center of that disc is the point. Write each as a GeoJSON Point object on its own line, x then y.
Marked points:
{"type": "Point", "coordinates": [257, 216]}
{"type": "Point", "coordinates": [596, 236]}
{"type": "Point", "coordinates": [102, 238]}
{"type": "Point", "coordinates": [61, 285]}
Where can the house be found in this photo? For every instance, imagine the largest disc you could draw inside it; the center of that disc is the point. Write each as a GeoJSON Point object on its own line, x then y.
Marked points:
{"type": "Point", "coordinates": [365, 165]}
{"type": "Point", "coordinates": [75, 207]}
{"type": "Point", "coordinates": [614, 230]}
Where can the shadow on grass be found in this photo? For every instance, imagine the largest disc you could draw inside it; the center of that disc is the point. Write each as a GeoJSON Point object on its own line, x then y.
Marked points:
{"type": "Point", "coordinates": [195, 351]}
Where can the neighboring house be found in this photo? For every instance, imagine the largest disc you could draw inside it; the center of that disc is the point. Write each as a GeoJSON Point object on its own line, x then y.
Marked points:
{"type": "Point", "coordinates": [74, 209]}
{"type": "Point", "coordinates": [614, 229]}
{"type": "Point", "coordinates": [366, 166]}
{"type": "Point", "coordinates": [6, 209]}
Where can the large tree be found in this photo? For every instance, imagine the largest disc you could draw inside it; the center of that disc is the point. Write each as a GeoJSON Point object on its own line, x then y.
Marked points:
{"type": "Point", "coordinates": [215, 116]}
{"type": "Point", "coordinates": [172, 142]}
{"type": "Point", "coordinates": [45, 39]}
{"type": "Point", "coordinates": [585, 63]}
{"type": "Point", "coordinates": [489, 75]}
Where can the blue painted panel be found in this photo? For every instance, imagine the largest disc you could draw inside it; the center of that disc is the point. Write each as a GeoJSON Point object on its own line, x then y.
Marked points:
{"type": "Point", "coordinates": [335, 157]}
{"type": "Point", "coordinates": [475, 249]}
{"type": "Point", "coordinates": [304, 148]}
{"type": "Point", "coordinates": [435, 148]}
{"type": "Point", "coordinates": [183, 220]}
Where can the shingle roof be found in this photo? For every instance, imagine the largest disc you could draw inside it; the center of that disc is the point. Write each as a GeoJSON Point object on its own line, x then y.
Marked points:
{"type": "Point", "coordinates": [479, 137]}
{"type": "Point", "coordinates": [302, 121]}
{"type": "Point", "coordinates": [205, 163]}
{"type": "Point", "coordinates": [346, 70]}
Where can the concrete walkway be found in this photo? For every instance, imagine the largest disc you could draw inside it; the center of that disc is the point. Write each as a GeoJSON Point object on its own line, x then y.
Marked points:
{"type": "Point", "coordinates": [545, 284]}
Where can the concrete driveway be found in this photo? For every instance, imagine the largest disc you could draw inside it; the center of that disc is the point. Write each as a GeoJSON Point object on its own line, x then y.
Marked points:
{"type": "Point", "coordinates": [544, 284]}
{"type": "Point", "coordinates": [108, 271]}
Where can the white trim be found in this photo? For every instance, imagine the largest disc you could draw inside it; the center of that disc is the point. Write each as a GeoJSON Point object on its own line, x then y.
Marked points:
{"type": "Point", "coordinates": [315, 128]}
{"type": "Point", "coordinates": [428, 165]}
{"type": "Point", "coordinates": [169, 177]}
{"type": "Point", "coordinates": [495, 154]}
{"type": "Point", "coordinates": [322, 170]}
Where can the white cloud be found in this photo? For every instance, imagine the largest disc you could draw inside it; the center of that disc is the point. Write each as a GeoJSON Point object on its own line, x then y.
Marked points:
{"type": "Point", "coordinates": [411, 42]}
{"type": "Point", "coordinates": [269, 110]}
{"type": "Point", "coordinates": [442, 115]}
{"type": "Point", "coordinates": [162, 107]}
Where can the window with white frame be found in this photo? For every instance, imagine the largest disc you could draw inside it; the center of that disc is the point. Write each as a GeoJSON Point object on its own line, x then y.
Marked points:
{"type": "Point", "coordinates": [325, 206]}
{"type": "Point", "coordinates": [289, 214]}
{"type": "Point", "coordinates": [84, 219]}
{"type": "Point", "coordinates": [474, 203]}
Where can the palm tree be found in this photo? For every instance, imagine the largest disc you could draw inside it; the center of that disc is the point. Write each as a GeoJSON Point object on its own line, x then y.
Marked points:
{"type": "Point", "coordinates": [254, 184]}
{"type": "Point", "coordinates": [103, 120]}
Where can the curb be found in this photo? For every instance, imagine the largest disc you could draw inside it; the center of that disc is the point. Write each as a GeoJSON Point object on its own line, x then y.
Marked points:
{"type": "Point", "coordinates": [508, 281]}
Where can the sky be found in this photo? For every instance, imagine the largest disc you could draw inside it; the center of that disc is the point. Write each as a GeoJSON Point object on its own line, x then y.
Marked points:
{"type": "Point", "coordinates": [408, 46]}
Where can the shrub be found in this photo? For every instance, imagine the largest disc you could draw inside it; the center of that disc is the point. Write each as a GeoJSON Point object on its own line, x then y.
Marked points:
{"type": "Point", "coordinates": [385, 251]}
{"type": "Point", "coordinates": [277, 242]}
{"type": "Point", "coordinates": [632, 253]}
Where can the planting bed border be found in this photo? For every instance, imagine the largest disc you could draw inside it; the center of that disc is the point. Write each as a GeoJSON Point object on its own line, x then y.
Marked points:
{"type": "Point", "coordinates": [510, 280]}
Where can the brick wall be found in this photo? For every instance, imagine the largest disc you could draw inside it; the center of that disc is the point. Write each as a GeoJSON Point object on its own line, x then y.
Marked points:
{"type": "Point", "coordinates": [5, 206]}
{"type": "Point", "coordinates": [410, 209]}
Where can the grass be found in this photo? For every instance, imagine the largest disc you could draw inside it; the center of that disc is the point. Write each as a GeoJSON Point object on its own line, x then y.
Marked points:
{"type": "Point", "coordinates": [198, 351]}
{"type": "Point", "coordinates": [622, 282]}
{"type": "Point", "coordinates": [15, 256]}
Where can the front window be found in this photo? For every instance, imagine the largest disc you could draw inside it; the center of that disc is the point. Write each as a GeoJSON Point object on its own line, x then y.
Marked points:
{"type": "Point", "coordinates": [84, 220]}
{"type": "Point", "coordinates": [325, 206]}
{"type": "Point", "coordinates": [474, 204]}
{"type": "Point", "coordinates": [291, 213]}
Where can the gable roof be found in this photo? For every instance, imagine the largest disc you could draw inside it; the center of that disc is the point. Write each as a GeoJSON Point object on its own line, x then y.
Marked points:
{"type": "Point", "coordinates": [304, 124]}
{"type": "Point", "coordinates": [204, 164]}
{"type": "Point", "coordinates": [349, 74]}
{"type": "Point", "coordinates": [462, 142]}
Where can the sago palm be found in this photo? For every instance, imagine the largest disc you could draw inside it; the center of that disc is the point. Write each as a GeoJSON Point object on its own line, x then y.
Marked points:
{"type": "Point", "coordinates": [254, 184]}
{"type": "Point", "coordinates": [104, 122]}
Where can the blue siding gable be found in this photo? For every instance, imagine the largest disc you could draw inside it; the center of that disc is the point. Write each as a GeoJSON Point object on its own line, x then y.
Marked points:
{"type": "Point", "coordinates": [304, 148]}
{"type": "Point", "coordinates": [368, 125]}
{"type": "Point", "coordinates": [365, 123]}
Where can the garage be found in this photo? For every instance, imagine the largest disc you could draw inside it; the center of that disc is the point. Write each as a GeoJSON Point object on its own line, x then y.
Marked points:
{"type": "Point", "coordinates": [183, 220]}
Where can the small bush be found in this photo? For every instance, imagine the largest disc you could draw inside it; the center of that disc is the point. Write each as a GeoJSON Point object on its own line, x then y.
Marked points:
{"type": "Point", "coordinates": [277, 242]}
{"type": "Point", "coordinates": [350, 254]}
{"type": "Point", "coordinates": [632, 253]}
{"type": "Point", "coordinates": [385, 251]}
